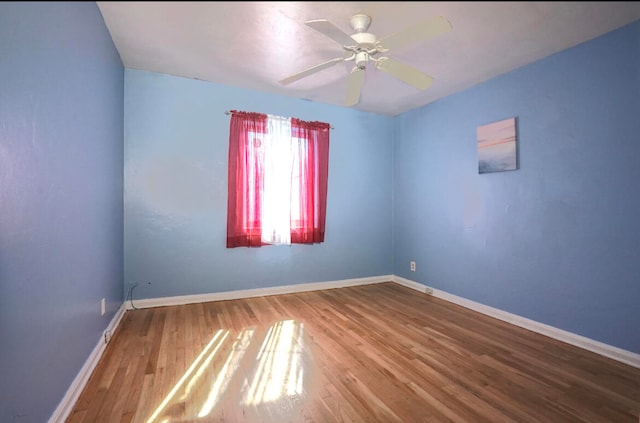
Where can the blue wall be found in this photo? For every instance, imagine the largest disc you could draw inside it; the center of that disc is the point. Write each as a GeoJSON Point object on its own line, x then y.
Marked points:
{"type": "Point", "coordinates": [61, 125]}
{"type": "Point", "coordinates": [557, 241]}
{"type": "Point", "coordinates": [176, 151]}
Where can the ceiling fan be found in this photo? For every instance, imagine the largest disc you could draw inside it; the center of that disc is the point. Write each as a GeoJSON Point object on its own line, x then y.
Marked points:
{"type": "Point", "coordinates": [363, 47]}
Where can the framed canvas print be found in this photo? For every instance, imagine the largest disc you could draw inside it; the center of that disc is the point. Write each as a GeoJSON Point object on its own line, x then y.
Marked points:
{"type": "Point", "coordinates": [497, 150]}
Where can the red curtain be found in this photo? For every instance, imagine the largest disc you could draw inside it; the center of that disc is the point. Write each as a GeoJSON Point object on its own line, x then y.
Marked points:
{"type": "Point", "coordinates": [314, 170]}
{"type": "Point", "coordinates": [246, 171]}
{"type": "Point", "coordinates": [245, 179]}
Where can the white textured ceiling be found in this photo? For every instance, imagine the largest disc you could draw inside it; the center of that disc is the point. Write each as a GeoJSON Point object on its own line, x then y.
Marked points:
{"type": "Point", "coordinates": [256, 44]}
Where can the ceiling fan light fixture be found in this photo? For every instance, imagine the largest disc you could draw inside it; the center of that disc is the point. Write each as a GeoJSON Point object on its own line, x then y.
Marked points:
{"type": "Point", "coordinates": [362, 58]}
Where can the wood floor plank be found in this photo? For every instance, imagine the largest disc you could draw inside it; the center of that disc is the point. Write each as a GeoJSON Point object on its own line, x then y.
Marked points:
{"type": "Point", "coordinates": [373, 353]}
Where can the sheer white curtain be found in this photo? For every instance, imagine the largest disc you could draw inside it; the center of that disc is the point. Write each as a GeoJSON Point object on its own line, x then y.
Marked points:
{"type": "Point", "coordinates": [279, 154]}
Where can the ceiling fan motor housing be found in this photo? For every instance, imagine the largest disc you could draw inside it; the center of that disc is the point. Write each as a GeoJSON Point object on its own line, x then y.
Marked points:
{"type": "Point", "coordinates": [360, 24]}
{"type": "Point", "coordinates": [364, 39]}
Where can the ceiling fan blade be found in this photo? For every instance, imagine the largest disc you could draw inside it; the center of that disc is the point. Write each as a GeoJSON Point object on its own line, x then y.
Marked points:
{"type": "Point", "coordinates": [354, 87]}
{"type": "Point", "coordinates": [332, 31]}
{"type": "Point", "coordinates": [404, 73]}
{"type": "Point", "coordinates": [420, 32]}
{"type": "Point", "coordinates": [312, 70]}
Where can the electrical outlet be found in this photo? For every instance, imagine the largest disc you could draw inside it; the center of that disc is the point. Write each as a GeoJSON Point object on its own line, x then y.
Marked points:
{"type": "Point", "coordinates": [103, 306]}
{"type": "Point", "coordinates": [413, 266]}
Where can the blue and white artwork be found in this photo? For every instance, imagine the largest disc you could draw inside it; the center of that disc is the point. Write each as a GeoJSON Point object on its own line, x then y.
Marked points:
{"type": "Point", "coordinates": [497, 146]}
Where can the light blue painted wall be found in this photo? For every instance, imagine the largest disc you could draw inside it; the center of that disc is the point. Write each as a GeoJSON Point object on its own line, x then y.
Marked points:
{"type": "Point", "coordinates": [176, 152]}
{"type": "Point", "coordinates": [61, 125]}
{"type": "Point", "coordinates": [557, 241]}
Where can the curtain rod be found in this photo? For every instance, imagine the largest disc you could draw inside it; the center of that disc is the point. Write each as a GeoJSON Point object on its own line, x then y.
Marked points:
{"type": "Point", "coordinates": [227, 112]}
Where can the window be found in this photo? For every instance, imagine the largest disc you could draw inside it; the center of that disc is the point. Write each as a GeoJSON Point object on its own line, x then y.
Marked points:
{"type": "Point", "coordinates": [278, 171]}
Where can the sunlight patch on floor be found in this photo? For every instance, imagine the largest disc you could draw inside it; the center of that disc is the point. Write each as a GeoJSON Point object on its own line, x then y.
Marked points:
{"type": "Point", "coordinates": [209, 352]}
{"type": "Point", "coordinates": [280, 370]}
{"type": "Point", "coordinates": [241, 375]}
{"type": "Point", "coordinates": [227, 371]}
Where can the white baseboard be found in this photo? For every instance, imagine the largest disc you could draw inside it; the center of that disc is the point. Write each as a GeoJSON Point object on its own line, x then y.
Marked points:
{"type": "Point", "coordinates": [61, 413]}
{"type": "Point", "coordinates": [259, 292]}
{"type": "Point", "coordinates": [618, 354]}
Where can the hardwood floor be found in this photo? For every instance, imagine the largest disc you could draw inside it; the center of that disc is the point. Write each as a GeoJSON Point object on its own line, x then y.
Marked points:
{"type": "Point", "coordinates": [373, 353]}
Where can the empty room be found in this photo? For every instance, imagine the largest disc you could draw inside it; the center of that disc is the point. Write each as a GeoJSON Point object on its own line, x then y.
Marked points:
{"type": "Point", "coordinates": [319, 212]}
